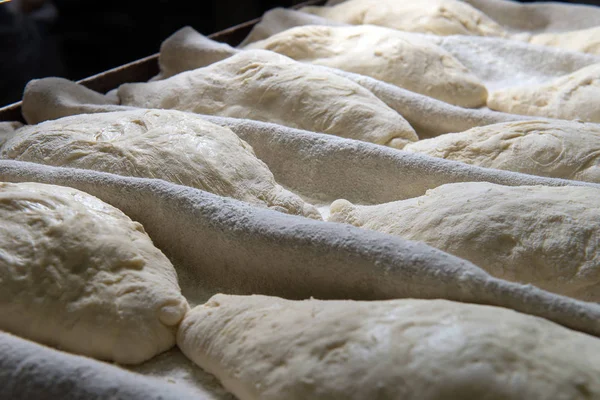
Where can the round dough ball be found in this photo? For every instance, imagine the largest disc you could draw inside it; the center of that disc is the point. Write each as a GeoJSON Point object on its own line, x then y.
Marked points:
{"type": "Point", "coordinates": [175, 146]}
{"type": "Point", "coordinates": [78, 274]}
{"type": "Point", "coordinates": [546, 236]}
{"type": "Point", "coordinates": [399, 58]}
{"type": "Point", "coordinates": [557, 149]}
{"type": "Point", "coordinates": [269, 348]}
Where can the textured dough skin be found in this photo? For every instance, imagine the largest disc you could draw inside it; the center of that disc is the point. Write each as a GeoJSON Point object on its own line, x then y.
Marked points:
{"type": "Point", "coordinates": [385, 54]}
{"type": "Point", "coordinates": [269, 348]}
{"type": "Point", "coordinates": [573, 96]}
{"type": "Point", "coordinates": [440, 17]}
{"type": "Point", "coordinates": [78, 274]}
{"type": "Point", "coordinates": [171, 145]}
{"type": "Point", "coordinates": [584, 40]}
{"type": "Point", "coordinates": [558, 149]}
{"type": "Point", "coordinates": [546, 236]}
{"type": "Point", "coordinates": [265, 86]}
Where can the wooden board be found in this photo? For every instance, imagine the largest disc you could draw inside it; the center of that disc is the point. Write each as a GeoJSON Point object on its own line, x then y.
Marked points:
{"type": "Point", "coordinates": [143, 69]}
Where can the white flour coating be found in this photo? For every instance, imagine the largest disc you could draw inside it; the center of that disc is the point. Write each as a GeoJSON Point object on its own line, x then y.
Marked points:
{"type": "Point", "coordinates": [389, 55]}
{"type": "Point", "coordinates": [267, 348]}
{"type": "Point", "coordinates": [66, 377]}
{"type": "Point", "coordinates": [180, 52]}
{"type": "Point", "coordinates": [439, 17]}
{"type": "Point", "coordinates": [231, 246]}
{"type": "Point", "coordinates": [266, 86]}
{"type": "Point", "coordinates": [545, 16]}
{"type": "Point", "coordinates": [29, 370]}
{"type": "Point", "coordinates": [498, 62]}
{"type": "Point", "coordinates": [559, 149]}
{"type": "Point", "coordinates": [584, 40]}
{"type": "Point", "coordinates": [175, 146]}
{"type": "Point", "coordinates": [573, 96]}
{"type": "Point", "coordinates": [7, 129]}
{"type": "Point", "coordinates": [546, 236]}
{"type": "Point", "coordinates": [326, 167]}
{"type": "Point", "coordinates": [430, 117]}
{"type": "Point", "coordinates": [173, 368]}
{"type": "Point", "coordinates": [78, 274]}
{"type": "Point", "coordinates": [52, 98]}
{"type": "Point", "coordinates": [502, 63]}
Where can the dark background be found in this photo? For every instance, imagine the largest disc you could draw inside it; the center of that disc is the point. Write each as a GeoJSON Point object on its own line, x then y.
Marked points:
{"type": "Point", "coordinates": [79, 38]}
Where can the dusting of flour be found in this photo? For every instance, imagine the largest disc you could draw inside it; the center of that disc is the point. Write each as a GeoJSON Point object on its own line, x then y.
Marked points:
{"type": "Point", "coordinates": [172, 367]}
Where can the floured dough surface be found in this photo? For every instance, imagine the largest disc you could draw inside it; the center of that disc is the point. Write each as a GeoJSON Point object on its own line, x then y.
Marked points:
{"type": "Point", "coordinates": [546, 236]}
{"type": "Point", "coordinates": [584, 40]}
{"type": "Point", "coordinates": [7, 129]}
{"type": "Point", "coordinates": [439, 17]}
{"type": "Point", "coordinates": [573, 96]}
{"type": "Point", "coordinates": [174, 368]}
{"type": "Point", "coordinates": [269, 87]}
{"type": "Point", "coordinates": [558, 149]}
{"type": "Point", "coordinates": [391, 56]}
{"type": "Point", "coordinates": [264, 347]}
{"type": "Point", "coordinates": [78, 274]}
{"type": "Point", "coordinates": [175, 146]}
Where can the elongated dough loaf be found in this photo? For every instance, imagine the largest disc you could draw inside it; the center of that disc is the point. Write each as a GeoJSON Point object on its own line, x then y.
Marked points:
{"type": "Point", "coordinates": [267, 348]}
{"type": "Point", "coordinates": [391, 56]}
{"type": "Point", "coordinates": [78, 274]}
{"type": "Point", "coordinates": [546, 236]}
{"type": "Point", "coordinates": [558, 149]}
{"type": "Point", "coordinates": [266, 86]}
{"type": "Point", "coordinates": [573, 96]}
{"type": "Point", "coordinates": [440, 17]}
{"type": "Point", "coordinates": [175, 146]}
{"type": "Point", "coordinates": [584, 40]}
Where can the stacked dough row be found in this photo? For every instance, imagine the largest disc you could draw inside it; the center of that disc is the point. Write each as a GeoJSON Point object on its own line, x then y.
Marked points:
{"type": "Point", "coordinates": [569, 97]}
{"type": "Point", "coordinates": [127, 305]}
{"type": "Point", "coordinates": [198, 332]}
{"type": "Point", "coordinates": [267, 347]}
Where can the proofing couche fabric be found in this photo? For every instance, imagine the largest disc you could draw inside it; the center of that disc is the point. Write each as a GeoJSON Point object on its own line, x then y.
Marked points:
{"type": "Point", "coordinates": [223, 245]}
{"type": "Point", "coordinates": [499, 63]}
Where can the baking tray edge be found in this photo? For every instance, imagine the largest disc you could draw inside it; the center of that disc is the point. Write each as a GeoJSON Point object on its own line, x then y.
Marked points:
{"type": "Point", "coordinates": [145, 68]}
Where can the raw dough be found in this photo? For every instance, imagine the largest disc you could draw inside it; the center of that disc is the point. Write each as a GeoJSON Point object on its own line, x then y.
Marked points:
{"type": "Point", "coordinates": [7, 129]}
{"type": "Point", "coordinates": [559, 149]}
{"type": "Point", "coordinates": [78, 274]}
{"type": "Point", "coordinates": [171, 145]}
{"type": "Point", "coordinates": [546, 236]}
{"type": "Point", "coordinates": [440, 17]}
{"type": "Point", "coordinates": [264, 347]}
{"type": "Point", "coordinates": [399, 58]}
{"type": "Point", "coordinates": [584, 40]}
{"type": "Point", "coordinates": [573, 96]}
{"type": "Point", "coordinates": [266, 86]}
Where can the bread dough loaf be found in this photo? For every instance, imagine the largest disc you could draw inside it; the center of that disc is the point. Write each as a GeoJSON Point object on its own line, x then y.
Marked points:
{"type": "Point", "coordinates": [78, 274]}
{"type": "Point", "coordinates": [584, 40]}
{"type": "Point", "coordinates": [401, 59]}
{"type": "Point", "coordinates": [267, 348]}
{"type": "Point", "coordinates": [175, 146]}
{"type": "Point", "coordinates": [573, 96]}
{"type": "Point", "coordinates": [440, 17]}
{"type": "Point", "coordinates": [266, 86]}
{"type": "Point", "coordinates": [546, 236]}
{"type": "Point", "coordinates": [559, 149]}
